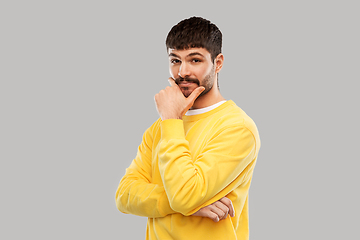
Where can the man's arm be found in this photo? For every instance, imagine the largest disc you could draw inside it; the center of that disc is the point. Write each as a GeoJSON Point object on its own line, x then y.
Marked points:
{"type": "Point", "coordinates": [136, 194]}
{"type": "Point", "coordinates": [226, 162]}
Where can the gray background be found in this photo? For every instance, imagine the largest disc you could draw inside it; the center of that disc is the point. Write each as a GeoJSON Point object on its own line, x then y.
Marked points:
{"type": "Point", "coordinates": [76, 94]}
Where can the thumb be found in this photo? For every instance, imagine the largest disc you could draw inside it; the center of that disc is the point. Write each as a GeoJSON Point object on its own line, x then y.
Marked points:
{"type": "Point", "coordinates": [195, 94]}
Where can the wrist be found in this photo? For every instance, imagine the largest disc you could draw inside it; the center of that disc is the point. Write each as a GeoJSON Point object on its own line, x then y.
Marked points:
{"type": "Point", "coordinates": [170, 117]}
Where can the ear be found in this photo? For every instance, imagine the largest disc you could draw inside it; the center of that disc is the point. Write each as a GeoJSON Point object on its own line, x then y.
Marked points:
{"type": "Point", "coordinates": [219, 60]}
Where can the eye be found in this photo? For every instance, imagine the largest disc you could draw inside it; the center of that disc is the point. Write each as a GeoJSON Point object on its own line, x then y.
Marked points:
{"type": "Point", "coordinates": [174, 61]}
{"type": "Point", "coordinates": [196, 60]}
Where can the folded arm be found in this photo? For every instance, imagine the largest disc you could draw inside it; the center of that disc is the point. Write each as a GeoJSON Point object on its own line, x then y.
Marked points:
{"type": "Point", "coordinates": [136, 194]}
{"type": "Point", "coordinates": [191, 184]}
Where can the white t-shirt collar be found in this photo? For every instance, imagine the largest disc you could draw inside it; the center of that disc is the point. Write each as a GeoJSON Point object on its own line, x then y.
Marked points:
{"type": "Point", "coordinates": [203, 110]}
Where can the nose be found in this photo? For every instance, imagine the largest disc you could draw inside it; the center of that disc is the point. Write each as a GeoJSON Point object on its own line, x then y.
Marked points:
{"type": "Point", "coordinates": [184, 70]}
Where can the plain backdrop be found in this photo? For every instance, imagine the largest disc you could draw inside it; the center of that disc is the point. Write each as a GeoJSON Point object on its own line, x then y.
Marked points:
{"type": "Point", "coordinates": [78, 80]}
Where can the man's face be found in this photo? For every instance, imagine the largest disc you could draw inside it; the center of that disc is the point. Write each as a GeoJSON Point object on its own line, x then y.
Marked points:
{"type": "Point", "coordinates": [192, 68]}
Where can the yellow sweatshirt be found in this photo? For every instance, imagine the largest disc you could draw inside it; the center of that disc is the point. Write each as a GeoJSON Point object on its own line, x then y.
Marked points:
{"type": "Point", "coordinates": [184, 165]}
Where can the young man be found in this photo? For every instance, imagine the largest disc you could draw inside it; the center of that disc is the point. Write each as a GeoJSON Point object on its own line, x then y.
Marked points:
{"type": "Point", "coordinates": [193, 169]}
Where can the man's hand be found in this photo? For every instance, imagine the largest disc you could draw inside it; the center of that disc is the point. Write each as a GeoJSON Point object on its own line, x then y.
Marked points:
{"type": "Point", "coordinates": [218, 210]}
{"type": "Point", "coordinates": [171, 102]}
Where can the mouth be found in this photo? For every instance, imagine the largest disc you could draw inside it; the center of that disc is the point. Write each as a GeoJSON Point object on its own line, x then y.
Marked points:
{"type": "Point", "coordinates": [185, 84]}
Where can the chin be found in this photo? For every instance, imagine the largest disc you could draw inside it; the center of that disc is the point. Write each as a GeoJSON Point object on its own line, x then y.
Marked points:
{"type": "Point", "coordinates": [186, 92]}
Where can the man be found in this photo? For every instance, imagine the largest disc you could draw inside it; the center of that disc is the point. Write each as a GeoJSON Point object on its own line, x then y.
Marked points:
{"type": "Point", "coordinates": [193, 169]}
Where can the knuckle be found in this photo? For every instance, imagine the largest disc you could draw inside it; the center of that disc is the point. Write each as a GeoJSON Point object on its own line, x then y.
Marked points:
{"type": "Point", "coordinates": [226, 201]}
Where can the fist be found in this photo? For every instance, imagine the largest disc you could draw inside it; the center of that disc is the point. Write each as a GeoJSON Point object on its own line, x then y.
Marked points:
{"type": "Point", "coordinates": [218, 210]}
{"type": "Point", "coordinates": [171, 103]}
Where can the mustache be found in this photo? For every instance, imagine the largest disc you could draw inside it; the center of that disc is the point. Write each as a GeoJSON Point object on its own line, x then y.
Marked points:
{"type": "Point", "coordinates": [181, 79]}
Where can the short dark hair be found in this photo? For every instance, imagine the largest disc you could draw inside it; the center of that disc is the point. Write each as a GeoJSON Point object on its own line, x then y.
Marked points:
{"type": "Point", "coordinates": [195, 32]}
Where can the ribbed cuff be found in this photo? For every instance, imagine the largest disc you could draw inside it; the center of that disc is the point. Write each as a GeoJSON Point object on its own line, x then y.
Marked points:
{"type": "Point", "coordinates": [172, 128]}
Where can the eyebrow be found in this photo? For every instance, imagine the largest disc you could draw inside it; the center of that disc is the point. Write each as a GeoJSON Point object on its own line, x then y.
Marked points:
{"type": "Point", "coordinates": [189, 55]}
{"type": "Point", "coordinates": [195, 54]}
{"type": "Point", "coordinates": [173, 55]}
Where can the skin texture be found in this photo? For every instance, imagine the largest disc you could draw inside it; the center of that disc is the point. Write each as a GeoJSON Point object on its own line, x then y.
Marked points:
{"type": "Point", "coordinates": [196, 68]}
{"type": "Point", "coordinates": [193, 84]}
{"type": "Point", "coordinates": [192, 66]}
{"type": "Point", "coordinates": [192, 72]}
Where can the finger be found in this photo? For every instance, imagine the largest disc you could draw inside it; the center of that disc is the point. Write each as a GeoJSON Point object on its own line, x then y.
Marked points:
{"type": "Point", "coordinates": [218, 211]}
{"type": "Point", "coordinates": [229, 204]}
{"type": "Point", "coordinates": [195, 94]}
{"type": "Point", "coordinates": [223, 208]}
{"type": "Point", "coordinates": [172, 82]}
{"type": "Point", "coordinates": [206, 212]}
{"type": "Point", "coordinates": [213, 216]}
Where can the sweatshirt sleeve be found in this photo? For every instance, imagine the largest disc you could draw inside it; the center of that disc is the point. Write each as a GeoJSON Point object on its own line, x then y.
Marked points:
{"type": "Point", "coordinates": [136, 194]}
{"type": "Point", "coordinates": [225, 163]}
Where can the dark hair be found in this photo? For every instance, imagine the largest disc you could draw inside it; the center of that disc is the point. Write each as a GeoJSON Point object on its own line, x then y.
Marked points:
{"type": "Point", "coordinates": [195, 32]}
